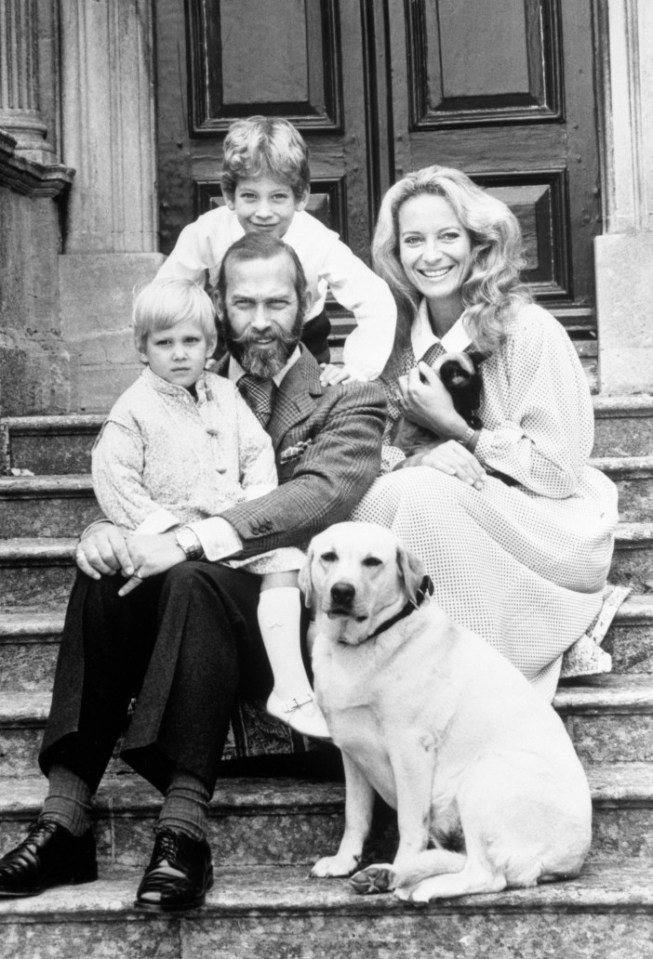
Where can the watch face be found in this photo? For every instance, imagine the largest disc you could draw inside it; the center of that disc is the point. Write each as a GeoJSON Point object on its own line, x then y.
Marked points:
{"type": "Point", "coordinates": [189, 542]}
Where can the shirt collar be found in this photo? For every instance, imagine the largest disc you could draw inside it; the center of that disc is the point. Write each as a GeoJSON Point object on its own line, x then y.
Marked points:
{"type": "Point", "coordinates": [173, 389]}
{"type": "Point", "coordinates": [455, 340]}
{"type": "Point", "coordinates": [235, 370]}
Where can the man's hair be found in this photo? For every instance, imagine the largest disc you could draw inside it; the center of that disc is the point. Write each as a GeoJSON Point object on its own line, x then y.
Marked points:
{"type": "Point", "coordinates": [260, 146]}
{"type": "Point", "coordinates": [258, 246]}
{"type": "Point", "coordinates": [163, 303]}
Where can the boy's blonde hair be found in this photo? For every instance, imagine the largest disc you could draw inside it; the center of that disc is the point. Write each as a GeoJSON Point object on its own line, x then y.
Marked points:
{"type": "Point", "coordinates": [260, 146]}
{"type": "Point", "coordinates": [163, 303]}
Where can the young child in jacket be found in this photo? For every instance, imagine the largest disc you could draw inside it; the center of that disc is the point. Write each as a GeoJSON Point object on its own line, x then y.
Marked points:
{"type": "Point", "coordinates": [181, 445]}
{"type": "Point", "coordinates": [266, 185]}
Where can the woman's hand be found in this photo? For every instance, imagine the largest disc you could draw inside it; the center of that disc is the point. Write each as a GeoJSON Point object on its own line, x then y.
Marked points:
{"type": "Point", "coordinates": [150, 556]}
{"type": "Point", "coordinates": [426, 401]}
{"type": "Point", "coordinates": [452, 458]}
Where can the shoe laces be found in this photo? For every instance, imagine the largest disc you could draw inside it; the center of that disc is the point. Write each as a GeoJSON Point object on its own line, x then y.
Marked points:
{"type": "Point", "coordinates": [167, 848]}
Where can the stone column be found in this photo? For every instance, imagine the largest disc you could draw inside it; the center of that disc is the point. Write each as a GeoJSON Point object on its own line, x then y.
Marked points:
{"type": "Point", "coordinates": [109, 138]}
{"type": "Point", "coordinates": [624, 254]}
{"type": "Point", "coordinates": [19, 80]}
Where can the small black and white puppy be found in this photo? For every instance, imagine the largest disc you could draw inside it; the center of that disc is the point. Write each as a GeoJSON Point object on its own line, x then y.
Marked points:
{"type": "Point", "coordinates": [460, 375]}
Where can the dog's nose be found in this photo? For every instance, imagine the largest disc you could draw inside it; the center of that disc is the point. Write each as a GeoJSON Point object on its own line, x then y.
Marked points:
{"type": "Point", "coordinates": [343, 593]}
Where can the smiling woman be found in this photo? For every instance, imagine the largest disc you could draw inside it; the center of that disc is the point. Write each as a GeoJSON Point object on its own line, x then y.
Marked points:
{"type": "Point", "coordinates": [513, 526]}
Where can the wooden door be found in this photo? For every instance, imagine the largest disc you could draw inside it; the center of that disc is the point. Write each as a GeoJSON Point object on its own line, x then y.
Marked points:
{"type": "Point", "coordinates": [504, 89]}
{"type": "Point", "coordinates": [299, 59]}
{"type": "Point", "coordinates": [501, 88]}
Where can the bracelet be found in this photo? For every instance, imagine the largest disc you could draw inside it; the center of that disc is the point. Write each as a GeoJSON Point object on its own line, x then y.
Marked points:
{"type": "Point", "coordinates": [467, 437]}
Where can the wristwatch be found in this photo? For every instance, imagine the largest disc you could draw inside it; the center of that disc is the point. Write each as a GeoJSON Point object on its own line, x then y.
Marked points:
{"type": "Point", "coordinates": [467, 437]}
{"type": "Point", "coordinates": [188, 541]}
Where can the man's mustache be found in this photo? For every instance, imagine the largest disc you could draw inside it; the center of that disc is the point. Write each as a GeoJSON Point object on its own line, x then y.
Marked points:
{"type": "Point", "coordinates": [251, 337]}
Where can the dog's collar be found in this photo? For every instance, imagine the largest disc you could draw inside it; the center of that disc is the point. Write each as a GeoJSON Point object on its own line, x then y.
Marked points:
{"type": "Point", "coordinates": [425, 589]}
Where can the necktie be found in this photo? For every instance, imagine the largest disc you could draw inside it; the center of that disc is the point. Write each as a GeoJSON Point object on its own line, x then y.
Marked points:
{"type": "Point", "coordinates": [258, 394]}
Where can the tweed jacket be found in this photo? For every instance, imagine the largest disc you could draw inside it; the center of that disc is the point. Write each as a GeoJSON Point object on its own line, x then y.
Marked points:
{"type": "Point", "coordinates": [327, 444]}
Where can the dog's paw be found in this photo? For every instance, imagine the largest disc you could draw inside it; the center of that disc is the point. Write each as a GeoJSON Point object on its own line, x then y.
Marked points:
{"type": "Point", "coordinates": [373, 879]}
{"type": "Point", "coordinates": [409, 895]}
{"type": "Point", "coordinates": [332, 867]}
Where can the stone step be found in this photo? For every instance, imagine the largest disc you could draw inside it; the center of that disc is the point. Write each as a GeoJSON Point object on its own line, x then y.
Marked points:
{"type": "Point", "coordinates": [49, 444]}
{"type": "Point", "coordinates": [46, 506]}
{"type": "Point", "coordinates": [609, 718]}
{"type": "Point", "coordinates": [39, 570]}
{"type": "Point", "coordinates": [62, 444]}
{"type": "Point", "coordinates": [632, 563]}
{"type": "Point", "coordinates": [276, 911]}
{"type": "Point", "coordinates": [259, 821]}
{"type": "Point", "coordinates": [633, 477]}
{"type": "Point", "coordinates": [29, 640]}
{"type": "Point", "coordinates": [36, 571]}
{"type": "Point", "coordinates": [62, 505]}
{"type": "Point", "coordinates": [623, 425]}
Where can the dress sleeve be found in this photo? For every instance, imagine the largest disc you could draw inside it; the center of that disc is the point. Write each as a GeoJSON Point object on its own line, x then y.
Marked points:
{"type": "Point", "coordinates": [546, 430]}
{"type": "Point", "coordinates": [357, 288]}
{"type": "Point", "coordinates": [117, 469]}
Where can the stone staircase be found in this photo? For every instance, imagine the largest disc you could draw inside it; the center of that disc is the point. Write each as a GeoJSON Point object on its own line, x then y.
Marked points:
{"type": "Point", "coordinates": [270, 819]}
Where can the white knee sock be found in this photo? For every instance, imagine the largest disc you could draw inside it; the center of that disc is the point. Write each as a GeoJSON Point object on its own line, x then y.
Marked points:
{"type": "Point", "coordinates": [279, 613]}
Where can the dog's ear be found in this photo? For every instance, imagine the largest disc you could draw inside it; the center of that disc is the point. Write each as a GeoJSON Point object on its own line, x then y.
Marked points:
{"type": "Point", "coordinates": [305, 581]}
{"type": "Point", "coordinates": [411, 571]}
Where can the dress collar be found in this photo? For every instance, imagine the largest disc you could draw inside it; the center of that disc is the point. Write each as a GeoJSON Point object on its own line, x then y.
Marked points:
{"type": "Point", "coordinates": [455, 340]}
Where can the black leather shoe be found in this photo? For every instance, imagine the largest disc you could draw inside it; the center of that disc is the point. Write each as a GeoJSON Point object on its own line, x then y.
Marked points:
{"type": "Point", "coordinates": [49, 856]}
{"type": "Point", "coordinates": [179, 873]}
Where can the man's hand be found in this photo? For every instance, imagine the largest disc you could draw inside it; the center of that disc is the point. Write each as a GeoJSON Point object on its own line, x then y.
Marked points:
{"type": "Point", "coordinates": [150, 556]}
{"type": "Point", "coordinates": [103, 552]}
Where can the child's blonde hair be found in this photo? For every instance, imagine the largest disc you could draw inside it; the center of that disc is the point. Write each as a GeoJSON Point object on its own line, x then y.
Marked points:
{"type": "Point", "coordinates": [163, 303]}
{"type": "Point", "coordinates": [260, 146]}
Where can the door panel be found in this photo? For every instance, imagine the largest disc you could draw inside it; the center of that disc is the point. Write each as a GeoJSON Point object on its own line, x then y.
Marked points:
{"type": "Point", "coordinates": [479, 86]}
{"type": "Point", "coordinates": [276, 58]}
{"type": "Point", "coordinates": [502, 89]}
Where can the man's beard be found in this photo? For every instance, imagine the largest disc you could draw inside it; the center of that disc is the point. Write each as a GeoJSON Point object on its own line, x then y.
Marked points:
{"type": "Point", "coordinates": [262, 360]}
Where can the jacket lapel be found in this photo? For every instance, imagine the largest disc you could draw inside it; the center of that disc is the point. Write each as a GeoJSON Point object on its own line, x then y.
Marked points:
{"type": "Point", "coordinates": [295, 398]}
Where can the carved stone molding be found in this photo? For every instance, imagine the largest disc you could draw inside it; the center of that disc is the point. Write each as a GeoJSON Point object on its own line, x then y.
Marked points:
{"type": "Point", "coordinates": [29, 177]}
{"type": "Point", "coordinates": [626, 76]}
{"type": "Point", "coordinates": [19, 80]}
{"type": "Point", "coordinates": [108, 125]}
{"type": "Point", "coordinates": [624, 254]}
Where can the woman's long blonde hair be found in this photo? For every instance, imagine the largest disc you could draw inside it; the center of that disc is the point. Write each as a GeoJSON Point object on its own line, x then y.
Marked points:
{"type": "Point", "coordinates": [493, 288]}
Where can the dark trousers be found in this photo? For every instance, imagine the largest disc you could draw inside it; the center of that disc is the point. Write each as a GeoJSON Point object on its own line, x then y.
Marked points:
{"type": "Point", "coordinates": [184, 643]}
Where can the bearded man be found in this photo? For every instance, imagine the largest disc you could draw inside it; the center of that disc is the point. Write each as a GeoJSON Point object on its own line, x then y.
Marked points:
{"type": "Point", "coordinates": [185, 638]}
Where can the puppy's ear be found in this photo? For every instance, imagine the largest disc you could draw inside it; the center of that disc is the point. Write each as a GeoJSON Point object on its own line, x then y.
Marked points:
{"type": "Point", "coordinates": [305, 580]}
{"type": "Point", "coordinates": [411, 571]}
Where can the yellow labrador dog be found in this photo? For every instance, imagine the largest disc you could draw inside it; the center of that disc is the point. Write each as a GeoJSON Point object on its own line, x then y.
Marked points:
{"type": "Point", "coordinates": [441, 726]}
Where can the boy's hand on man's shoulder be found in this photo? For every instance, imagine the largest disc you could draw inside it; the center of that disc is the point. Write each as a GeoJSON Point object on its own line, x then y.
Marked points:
{"type": "Point", "coordinates": [331, 375]}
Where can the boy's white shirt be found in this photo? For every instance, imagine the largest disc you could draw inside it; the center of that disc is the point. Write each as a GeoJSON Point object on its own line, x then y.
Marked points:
{"type": "Point", "coordinates": [328, 264]}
